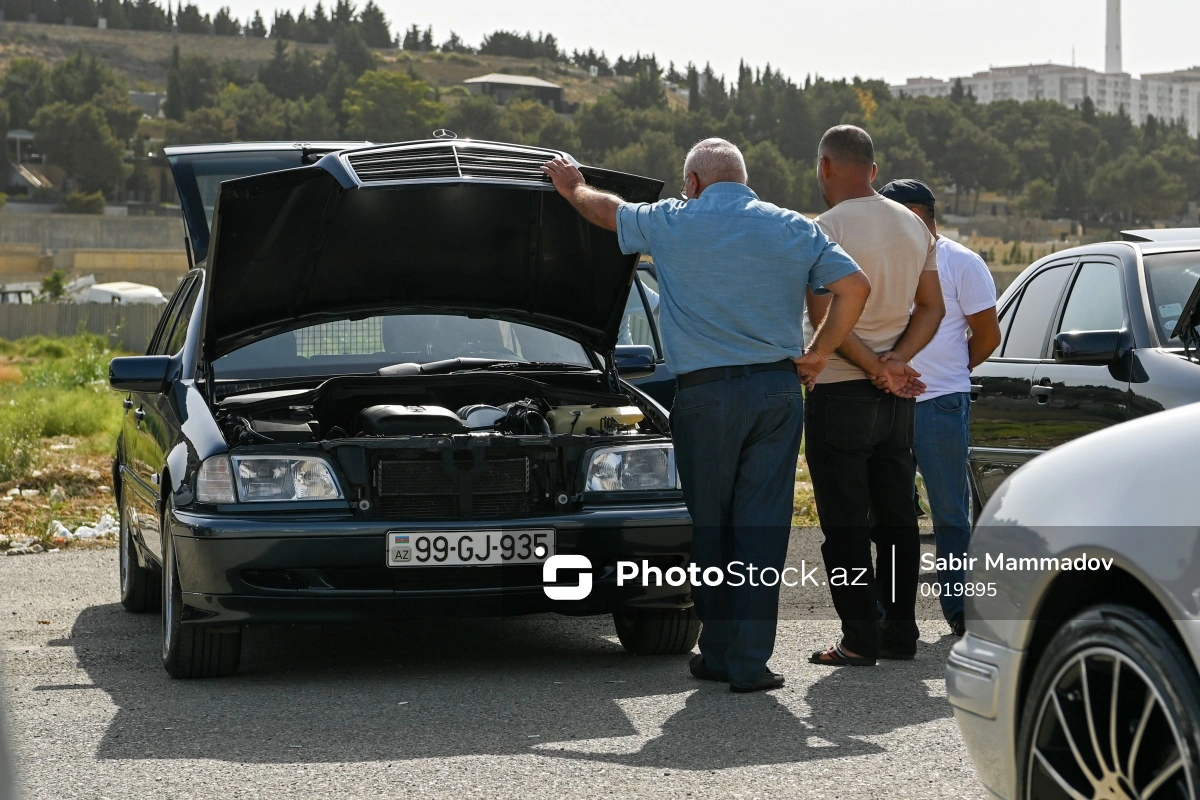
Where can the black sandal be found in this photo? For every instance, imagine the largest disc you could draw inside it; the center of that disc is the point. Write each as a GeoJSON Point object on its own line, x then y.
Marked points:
{"type": "Point", "coordinates": [836, 657]}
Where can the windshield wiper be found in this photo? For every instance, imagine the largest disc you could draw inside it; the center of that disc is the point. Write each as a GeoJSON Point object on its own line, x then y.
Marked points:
{"type": "Point", "coordinates": [534, 366]}
{"type": "Point", "coordinates": [470, 364]}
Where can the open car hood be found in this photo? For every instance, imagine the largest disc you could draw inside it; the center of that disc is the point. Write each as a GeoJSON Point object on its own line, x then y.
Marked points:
{"type": "Point", "coordinates": [444, 227]}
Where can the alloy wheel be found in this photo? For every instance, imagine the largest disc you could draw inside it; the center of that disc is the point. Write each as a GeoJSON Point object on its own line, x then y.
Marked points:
{"type": "Point", "coordinates": [1104, 731]}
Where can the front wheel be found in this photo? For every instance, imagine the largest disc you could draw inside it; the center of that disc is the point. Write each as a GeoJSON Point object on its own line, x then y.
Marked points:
{"type": "Point", "coordinates": [657, 631]}
{"type": "Point", "coordinates": [1112, 711]}
{"type": "Point", "coordinates": [191, 651]}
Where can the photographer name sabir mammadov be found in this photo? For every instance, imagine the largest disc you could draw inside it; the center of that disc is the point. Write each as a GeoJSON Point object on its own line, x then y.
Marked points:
{"type": "Point", "coordinates": [1002, 563]}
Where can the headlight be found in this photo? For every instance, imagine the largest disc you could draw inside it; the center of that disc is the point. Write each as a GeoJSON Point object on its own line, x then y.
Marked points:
{"type": "Point", "coordinates": [261, 479]}
{"type": "Point", "coordinates": [638, 467]}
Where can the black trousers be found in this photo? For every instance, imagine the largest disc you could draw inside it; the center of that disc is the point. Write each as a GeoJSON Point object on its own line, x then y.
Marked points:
{"type": "Point", "coordinates": [858, 443]}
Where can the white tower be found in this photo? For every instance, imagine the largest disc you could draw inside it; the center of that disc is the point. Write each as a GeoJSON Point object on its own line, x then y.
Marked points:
{"type": "Point", "coordinates": [1112, 49]}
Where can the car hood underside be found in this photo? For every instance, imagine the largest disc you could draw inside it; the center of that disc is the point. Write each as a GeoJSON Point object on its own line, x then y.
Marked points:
{"type": "Point", "coordinates": [299, 246]}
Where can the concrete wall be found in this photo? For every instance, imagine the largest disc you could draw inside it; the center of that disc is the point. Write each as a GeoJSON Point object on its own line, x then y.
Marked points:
{"type": "Point", "coordinates": [91, 231]}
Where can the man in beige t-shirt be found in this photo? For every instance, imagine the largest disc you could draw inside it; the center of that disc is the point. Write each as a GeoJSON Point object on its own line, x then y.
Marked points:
{"type": "Point", "coordinates": [859, 417]}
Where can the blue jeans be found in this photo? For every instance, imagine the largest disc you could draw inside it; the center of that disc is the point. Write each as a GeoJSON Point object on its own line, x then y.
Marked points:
{"type": "Point", "coordinates": [940, 449]}
{"type": "Point", "coordinates": [737, 441]}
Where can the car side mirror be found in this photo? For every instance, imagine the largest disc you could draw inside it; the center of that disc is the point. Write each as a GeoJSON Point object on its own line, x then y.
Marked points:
{"type": "Point", "coordinates": [139, 373]}
{"type": "Point", "coordinates": [1100, 348]}
{"type": "Point", "coordinates": [634, 360]}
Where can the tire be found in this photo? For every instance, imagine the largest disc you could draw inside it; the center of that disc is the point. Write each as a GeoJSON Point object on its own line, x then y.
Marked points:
{"type": "Point", "coordinates": [657, 631]}
{"type": "Point", "coordinates": [1073, 735]}
{"type": "Point", "coordinates": [140, 587]}
{"type": "Point", "coordinates": [192, 651]}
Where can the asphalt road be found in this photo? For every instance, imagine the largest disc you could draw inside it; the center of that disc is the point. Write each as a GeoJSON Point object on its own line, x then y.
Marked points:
{"type": "Point", "coordinates": [525, 708]}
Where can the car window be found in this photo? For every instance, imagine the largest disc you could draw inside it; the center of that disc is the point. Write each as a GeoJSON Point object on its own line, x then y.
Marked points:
{"type": "Point", "coordinates": [1170, 277]}
{"type": "Point", "coordinates": [635, 324]}
{"type": "Point", "coordinates": [162, 336]}
{"type": "Point", "coordinates": [362, 346]}
{"type": "Point", "coordinates": [179, 331]}
{"type": "Point", "coordinates": [1031, 319]}
{"type": "Point", "coordinates": [1096, 302]}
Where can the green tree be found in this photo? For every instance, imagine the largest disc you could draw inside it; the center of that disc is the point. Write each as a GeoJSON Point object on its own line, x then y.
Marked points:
{"type": "Point", "coordinates": [526, 118]}
{"type": "Point", "coordinates": [291, 73]}
{"type": "Point", "coordinates": [283, 25]}
{"type": "Point", "coordinates": [257, 114]}
{"type": "Point", "coordinates": [374, 26]}
{"type": "Point", "coordinates": [350, 51]}
{"type": "Point", "coordinates": [1071, 188]}
{"type": "Point", "coordinates": [190, 20]}
{"type": "Point", "coordinates": [78, 139]}
{"type": "Point", "coordinates": [479, 117]}
{"type": "Point", "coordinates": [769, 172]}
{"type": "Point", "coordinates": [559, 134]}
{"type": "Point", "coordinates": [257, 28]}
{"type": "Point", "coordinates": [390, 106]}
{"type": "Point", "coordinates": [54, 285]}
{"type": "Point", "coordinates": [644, 90]}
{"type": "Point", "coordinates": [26, 88]}
{"type": "Point", "coordinates": [1038, 198]}
{"type": "Point", "coordinates": [1182, 159]}
{"type": "Point", "coordinates": [175, 105]}
{"type": "Point", "coordinates": [976, 160]}
{"type": "Point", "coordinates": [604, 126]}
{"type": "Point", "coordinates": [225, 24]}
{"type": "Point", "coordinates": [655, 155]}
{"type": "Point", "coordinates": [202, 126]}
{"type": "Point", "coordinates": [308, 120]}
{"type": "Point", "coordinates": [1137, 188]}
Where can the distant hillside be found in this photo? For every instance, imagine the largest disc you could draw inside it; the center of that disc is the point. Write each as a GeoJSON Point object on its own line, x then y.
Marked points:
{"type": "Point", "coordinates": [142, 57]}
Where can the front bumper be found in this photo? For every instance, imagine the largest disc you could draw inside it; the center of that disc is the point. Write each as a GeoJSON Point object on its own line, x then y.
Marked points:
{"type": "Point", "coordinates": [272, 569]}
{"type": "Point", "coordinates": [982, 684]}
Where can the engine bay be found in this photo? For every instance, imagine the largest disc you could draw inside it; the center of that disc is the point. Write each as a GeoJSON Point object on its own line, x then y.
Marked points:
{"type": "Point", "coordinates": [448, 446]}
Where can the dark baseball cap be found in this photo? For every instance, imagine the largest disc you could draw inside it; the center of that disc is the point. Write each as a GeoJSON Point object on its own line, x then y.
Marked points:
{"type": "Point", "coordinates": [909, 190]}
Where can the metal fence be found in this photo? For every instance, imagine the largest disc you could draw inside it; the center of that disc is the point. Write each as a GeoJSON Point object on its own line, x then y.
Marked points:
{"type": "Point", "coordinates": [126, 326]}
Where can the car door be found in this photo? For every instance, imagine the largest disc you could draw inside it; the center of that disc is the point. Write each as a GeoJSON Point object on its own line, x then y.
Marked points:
{"type": "Point", "coordinates": [147, 426]}
{"type": "Point", "coordinates": [1072, 400]}
{"type": "Point", "coordinates": [640, 326]}
{"type": "Point", "coordinates": [1001, 408]}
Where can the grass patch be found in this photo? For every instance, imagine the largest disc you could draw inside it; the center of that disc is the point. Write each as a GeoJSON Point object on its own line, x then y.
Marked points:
{"type": "Point", "coordinates": [53, 387]}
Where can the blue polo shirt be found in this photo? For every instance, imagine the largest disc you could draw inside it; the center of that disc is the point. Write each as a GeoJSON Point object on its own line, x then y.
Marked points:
{"type": "Point", "coordinates": [732, 271]}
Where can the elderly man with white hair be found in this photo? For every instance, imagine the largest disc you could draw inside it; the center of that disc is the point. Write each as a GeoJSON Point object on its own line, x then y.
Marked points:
{"type": "Point", "coordinates": [733, 272]}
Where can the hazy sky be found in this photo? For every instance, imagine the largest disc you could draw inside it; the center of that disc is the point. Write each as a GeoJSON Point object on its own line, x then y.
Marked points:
{"type": "Point", "coordinates": [836, 38]}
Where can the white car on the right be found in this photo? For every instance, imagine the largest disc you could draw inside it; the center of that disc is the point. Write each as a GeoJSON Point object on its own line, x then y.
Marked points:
{"type": "Point", "coordinates": [1077, 677]}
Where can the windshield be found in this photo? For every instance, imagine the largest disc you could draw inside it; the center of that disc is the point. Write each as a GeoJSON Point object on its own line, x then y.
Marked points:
{"type": "Point", "coordinates": [198, 178]}
{"type": "Point", "coordinates": [362, 346]}
{"type": "Point", "coordinates": [1170, 278]}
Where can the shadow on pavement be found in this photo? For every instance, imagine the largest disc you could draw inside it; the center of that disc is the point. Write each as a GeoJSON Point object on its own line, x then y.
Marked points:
{"type": "Point", "coordinates": [550, 686]}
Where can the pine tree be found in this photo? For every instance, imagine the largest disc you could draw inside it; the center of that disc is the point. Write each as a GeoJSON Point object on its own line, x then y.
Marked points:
{"type": "Point", "coordinates": [175, 107]}
{"type": "Point", "coordinates": [374, 26]}
{"type": "Point", "coordinates": [258, 28]}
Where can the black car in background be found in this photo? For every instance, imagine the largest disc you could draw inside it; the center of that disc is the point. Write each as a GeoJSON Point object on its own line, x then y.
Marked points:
{"type": "Point", "coordinates": [1092, 336]}
{"type": "Point", "coordinates": [391, 387]}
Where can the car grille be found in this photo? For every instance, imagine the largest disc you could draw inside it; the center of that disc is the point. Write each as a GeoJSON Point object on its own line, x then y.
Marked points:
{"type": "Point", "coordinates": [424, 490]}
{"type": "Point", "coordinates": [450, 161]}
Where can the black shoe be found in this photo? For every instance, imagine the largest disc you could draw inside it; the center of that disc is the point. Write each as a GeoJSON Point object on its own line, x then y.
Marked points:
{"type": "Point", "coordinates": [700, 670]}
{"type": "Point", "coordinates": [766, 681]}
{"type": "Point", "coordinates": [958, 625]}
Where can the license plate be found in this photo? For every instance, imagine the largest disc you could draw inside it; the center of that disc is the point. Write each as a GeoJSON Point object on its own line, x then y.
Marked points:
{"type": "Point", "coordinates": [468, 548]}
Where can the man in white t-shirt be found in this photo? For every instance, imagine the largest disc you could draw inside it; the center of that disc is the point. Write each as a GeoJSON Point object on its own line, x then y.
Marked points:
{"type": "Point", "coordinates": [940, 437]}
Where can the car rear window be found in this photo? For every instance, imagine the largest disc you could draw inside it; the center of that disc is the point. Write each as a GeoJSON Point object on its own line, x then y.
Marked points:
{"type": "Point", "coordinates": [1170, 278]}
{"type": "Point", "coordinates": [362, 346]}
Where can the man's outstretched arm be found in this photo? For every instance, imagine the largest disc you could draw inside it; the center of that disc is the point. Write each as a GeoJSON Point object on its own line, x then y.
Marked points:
{"type": "Point", "coordinates": [597, 207]}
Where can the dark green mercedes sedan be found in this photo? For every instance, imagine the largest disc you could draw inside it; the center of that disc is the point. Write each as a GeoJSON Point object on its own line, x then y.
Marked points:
{"type": "Point", "coordinates": [391, 387]}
